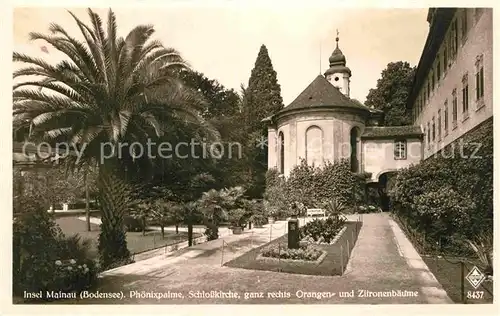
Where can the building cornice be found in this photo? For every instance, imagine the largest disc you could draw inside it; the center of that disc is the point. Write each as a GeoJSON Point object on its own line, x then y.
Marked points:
{"type": "Point", "coordinates": [441, 19]}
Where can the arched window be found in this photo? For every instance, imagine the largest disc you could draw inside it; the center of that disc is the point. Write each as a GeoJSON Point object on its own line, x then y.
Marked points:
{"type": "Point", "coordinates": [281, 144]}
{"type": "Point", "coordinates": [354, 149]}
{"type": "Point", "coordinates": [314, 146]}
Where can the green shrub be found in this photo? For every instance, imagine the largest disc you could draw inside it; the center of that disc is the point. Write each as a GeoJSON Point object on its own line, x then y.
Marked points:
{"type": "Point", "coordinates": [276, 200]}
{"type": "Point", "coordinates": [450, 197]}
{"type": "Point", "coordinates": [311, 187]}
{"type": "Point", "coordinates": [43, 258]}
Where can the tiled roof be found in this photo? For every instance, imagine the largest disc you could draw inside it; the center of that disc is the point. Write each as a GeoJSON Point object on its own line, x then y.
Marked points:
{"type": "Point", "coordinates": [322, 93]}
{"type": "Point", "coordinates": [392, 131]}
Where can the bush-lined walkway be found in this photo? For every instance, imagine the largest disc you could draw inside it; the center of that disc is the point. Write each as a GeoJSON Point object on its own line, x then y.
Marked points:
{"type": "Point", "coordinates": [379, 262]}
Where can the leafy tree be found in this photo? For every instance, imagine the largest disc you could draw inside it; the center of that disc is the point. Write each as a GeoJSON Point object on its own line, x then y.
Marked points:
{"type": "Point", "coordinates": [391, 93]}
{"type": "Point", "coordinates": [184, 187]}
{"type": "Point", "coordinates": [109, 90]}
{"type": "Point", "coordinates": [54, 185]}
{"type": "Point", "coordinates": [223, 112]}
{"type": "Point", "coordinates": [221, 102]}
{"type": "Point", "coordinates": [163, 213]}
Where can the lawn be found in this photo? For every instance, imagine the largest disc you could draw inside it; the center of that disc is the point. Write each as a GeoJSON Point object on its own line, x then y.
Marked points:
{"type": "Point", "coordinates": [332, 264]}
{"type": "Point", "coordinates": [136, 242]}
{"type": "Point", "coordinates": [448, 273]}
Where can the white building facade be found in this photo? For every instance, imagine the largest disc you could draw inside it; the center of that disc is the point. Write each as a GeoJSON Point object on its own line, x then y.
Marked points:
{"type": "Point", "coordinates": [453, 90]}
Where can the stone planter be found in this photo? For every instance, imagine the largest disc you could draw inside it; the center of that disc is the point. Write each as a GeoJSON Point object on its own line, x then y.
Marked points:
{"type": "Point", "coordinates": [237, 230]}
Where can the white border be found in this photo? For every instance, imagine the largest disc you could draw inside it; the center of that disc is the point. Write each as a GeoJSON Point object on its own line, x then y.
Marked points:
{"type": "Point", "coordinates": [6, 169]}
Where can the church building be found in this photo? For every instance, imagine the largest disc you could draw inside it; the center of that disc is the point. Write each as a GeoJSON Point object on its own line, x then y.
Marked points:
{"type": "Point", "coordinates": [324, 124]}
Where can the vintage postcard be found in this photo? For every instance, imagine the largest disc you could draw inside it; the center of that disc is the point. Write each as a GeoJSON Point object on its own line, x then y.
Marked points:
{"type": "Point", "coordinates": [231, 154]}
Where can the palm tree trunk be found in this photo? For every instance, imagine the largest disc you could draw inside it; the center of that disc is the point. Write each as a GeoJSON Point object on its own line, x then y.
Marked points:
{"type": "Point", "coordinates": [87, 200]}
{"type": "Point", "coordinates": [190, 234]}
{"type": "Point", "coordinates": [114, 200]}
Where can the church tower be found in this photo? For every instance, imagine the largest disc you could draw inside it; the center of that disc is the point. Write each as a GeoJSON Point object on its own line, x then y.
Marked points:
{"type": "Point", "coordinates": [338, 74]}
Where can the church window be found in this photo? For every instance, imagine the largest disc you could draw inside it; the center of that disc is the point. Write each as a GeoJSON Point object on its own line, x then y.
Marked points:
{"type": "Point", "coordinates": [400, 149]}
{"type": "Point", "coordinates": [281, 143]}
{"type": "Point", "coordinates": [314, 146]}
{"type": "Point", "coordinates": [354, 149]}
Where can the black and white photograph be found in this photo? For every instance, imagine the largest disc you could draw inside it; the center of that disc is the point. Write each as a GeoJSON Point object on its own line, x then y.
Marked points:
{"type": "Point", "coordinates": [260, 155]}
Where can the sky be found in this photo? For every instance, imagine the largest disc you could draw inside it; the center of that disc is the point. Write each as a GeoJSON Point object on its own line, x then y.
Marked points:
{"type": "Point", "coordinates": [223, 41]}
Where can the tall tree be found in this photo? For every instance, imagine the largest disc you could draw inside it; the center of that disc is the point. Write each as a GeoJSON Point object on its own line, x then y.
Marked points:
{"type": "Point", "coordinates": [391, 93]}
{"type": "Point", "coordinates": [261, 99]}
{"type": "Point", "coordinates": [109, 90]}
{"type": "Point", "coordinates": [263, 92]}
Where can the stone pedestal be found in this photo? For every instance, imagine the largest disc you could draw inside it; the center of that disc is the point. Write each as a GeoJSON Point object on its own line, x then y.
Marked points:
{"type": "Point", "coordinates": [293, 233]}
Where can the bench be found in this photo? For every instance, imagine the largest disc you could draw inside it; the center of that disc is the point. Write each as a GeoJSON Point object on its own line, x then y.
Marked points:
{"type": "Point", "coordinates": [315, 211]}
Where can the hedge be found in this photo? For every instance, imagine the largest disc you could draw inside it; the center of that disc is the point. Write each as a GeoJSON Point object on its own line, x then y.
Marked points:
{"type": "Point", "coordinates": [450, 195]}
{"type": "Point", "coordinates": [312, 186]}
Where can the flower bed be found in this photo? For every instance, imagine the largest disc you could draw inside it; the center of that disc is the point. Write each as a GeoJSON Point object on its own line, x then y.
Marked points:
{"type": "Point", "coordinates": [322, 231]}
{"type": "Point", "coordinates": [321, 240]}
{"type": "Point", "coordinates": [281, 251]}
{"type": "Point", "coordinates": [332, 261]}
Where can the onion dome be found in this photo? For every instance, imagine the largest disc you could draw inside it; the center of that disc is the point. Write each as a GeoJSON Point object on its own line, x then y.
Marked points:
{"type": "Point", "coordinates": [337, 61]}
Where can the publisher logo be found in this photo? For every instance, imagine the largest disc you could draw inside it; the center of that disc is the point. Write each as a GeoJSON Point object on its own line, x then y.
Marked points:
{"type": "Point", "coordinates": [475, 277]}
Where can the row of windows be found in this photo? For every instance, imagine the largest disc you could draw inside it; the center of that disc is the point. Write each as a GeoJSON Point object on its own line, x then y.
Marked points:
{"type": "Point", "coordinates": [436, 128]}
{"type": "Point", "coordinates": [458, 31]}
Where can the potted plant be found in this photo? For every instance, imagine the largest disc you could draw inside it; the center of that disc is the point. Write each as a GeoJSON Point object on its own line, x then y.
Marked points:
{"type": "Point", "coordinates": [272, 216]}
{"type": "Point", "coordinates": [235, 217]}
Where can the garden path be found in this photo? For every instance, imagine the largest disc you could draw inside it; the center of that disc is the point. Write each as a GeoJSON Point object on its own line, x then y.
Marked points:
{"type": "Point", "coordinates": [382, 260]}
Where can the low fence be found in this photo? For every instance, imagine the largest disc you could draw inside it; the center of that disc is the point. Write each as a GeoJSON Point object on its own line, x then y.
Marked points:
{"type": "Point", "coordinates": [155, 245]}
{"type": "Point", "coordinates": [333, 261]}
{"type": "Point", "coordinates": [347, 245]}
{"type": "Point", "coordinates": [265, 234]}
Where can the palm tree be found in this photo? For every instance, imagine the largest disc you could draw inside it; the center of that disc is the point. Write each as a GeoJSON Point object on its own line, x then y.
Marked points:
{"type": "Point", "coordinates": [109, 91]}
